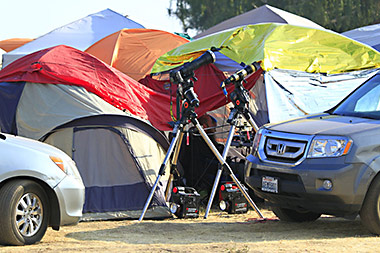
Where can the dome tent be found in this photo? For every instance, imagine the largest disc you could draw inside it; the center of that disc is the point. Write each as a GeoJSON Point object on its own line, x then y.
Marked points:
{"type": "Point", "coordinates": [134, 51]}
{"type": "Point", "coordinates": [59, 96]}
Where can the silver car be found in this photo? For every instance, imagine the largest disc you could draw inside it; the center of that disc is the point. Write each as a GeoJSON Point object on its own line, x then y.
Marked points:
{"type": "Point", "coordinates": [40, 186]}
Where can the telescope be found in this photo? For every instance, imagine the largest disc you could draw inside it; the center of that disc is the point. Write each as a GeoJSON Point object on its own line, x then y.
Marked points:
{"type": "Point", "coordinates": [238, 76]}
{"type": "Point", "coordinates": [187, 70]}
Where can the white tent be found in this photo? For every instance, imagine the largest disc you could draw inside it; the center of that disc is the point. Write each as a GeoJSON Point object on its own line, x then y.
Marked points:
{"type": "Point", "coordinates": [79, 34]}
{"type": "Point", "coordinates": [286, 94]}
{"type": "Point", "coordinates": [263, 14]}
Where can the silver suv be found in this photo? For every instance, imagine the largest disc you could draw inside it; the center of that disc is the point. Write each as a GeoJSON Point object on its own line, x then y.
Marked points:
{"type": "Point", "coordinates": [323, 164]}
{"type": "Point", "coordinates": [40, 186]}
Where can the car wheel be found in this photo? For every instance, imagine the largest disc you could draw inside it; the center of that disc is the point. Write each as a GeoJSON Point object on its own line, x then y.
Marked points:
{"type": "Point", "coordinates": [24, 215]}
{"type": "Point", "coordinates": [370, 211]}
{"type": "Point", "coordinates": [291, 215]}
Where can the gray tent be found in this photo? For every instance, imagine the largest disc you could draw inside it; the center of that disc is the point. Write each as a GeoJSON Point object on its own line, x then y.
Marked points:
{"type": "Point", "coordinates": [263, 14]}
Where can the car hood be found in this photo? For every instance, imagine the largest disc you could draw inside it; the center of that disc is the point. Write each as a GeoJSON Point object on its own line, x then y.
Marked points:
{"type": "Point", "coordinates": [25, 143]}
{"type": "Point", "coordinates": [326, 124]}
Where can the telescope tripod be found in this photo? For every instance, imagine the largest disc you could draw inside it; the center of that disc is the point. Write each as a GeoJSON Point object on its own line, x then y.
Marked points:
{"type": "Point", "coordinates": [188, 114]}
{"type": "Point", "coordinates": [240, 99]}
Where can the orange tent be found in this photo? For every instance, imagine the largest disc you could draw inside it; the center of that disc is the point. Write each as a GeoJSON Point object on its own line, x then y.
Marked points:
{"type": "Point", "coordinates": [134, 51]}
{"type": "Point", "coordinates": [11, 44]}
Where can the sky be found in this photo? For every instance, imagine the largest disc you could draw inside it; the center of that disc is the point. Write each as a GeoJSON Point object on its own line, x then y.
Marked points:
{"type": "Point", "coordinates": [33, 18]}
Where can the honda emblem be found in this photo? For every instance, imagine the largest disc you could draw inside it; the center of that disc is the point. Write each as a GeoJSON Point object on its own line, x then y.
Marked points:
{"type": "Point", "coordinates": [281, 148]}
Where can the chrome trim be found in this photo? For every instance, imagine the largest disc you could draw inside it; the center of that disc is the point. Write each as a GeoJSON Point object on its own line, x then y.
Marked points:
{"type": "Point", "coordinates": [287, 138]}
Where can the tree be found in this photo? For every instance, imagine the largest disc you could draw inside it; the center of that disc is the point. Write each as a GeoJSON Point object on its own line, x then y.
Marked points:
{"type": "Point", "coordinates": [336, 15]}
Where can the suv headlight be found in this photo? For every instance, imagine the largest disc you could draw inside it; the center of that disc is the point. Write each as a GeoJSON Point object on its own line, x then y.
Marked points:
{"type": "Point", "coordinates": [256, 140]}
{"type": "Point", "coordinates": [329, 146]}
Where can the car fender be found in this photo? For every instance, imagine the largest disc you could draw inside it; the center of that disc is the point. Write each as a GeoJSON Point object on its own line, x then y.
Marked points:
{"type": "Point", "coordinates": [51, 179]}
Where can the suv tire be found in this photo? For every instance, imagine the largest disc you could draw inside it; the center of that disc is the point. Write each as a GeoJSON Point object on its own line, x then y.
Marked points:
{"type": "Point", "coordinates": [370, 211]}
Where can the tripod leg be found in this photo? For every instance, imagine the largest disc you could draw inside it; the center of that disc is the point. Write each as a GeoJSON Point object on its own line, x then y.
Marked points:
{"type": "Point", "coordinates": [174, 165]}
{"type": "Point", "coordinates": [225, 165]}
{"type": "Point", "coordinates": [161, 171]}
{"type": "Point", "coordinates": [220, 169]}
{"type": "Point", "coordinates": [249, 118]}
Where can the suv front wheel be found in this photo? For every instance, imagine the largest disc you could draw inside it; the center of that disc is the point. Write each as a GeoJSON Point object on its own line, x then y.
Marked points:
{"type": "Point", "coordinates": [370, 211]}
{"type": "Point", "coordinates": [24, 216]}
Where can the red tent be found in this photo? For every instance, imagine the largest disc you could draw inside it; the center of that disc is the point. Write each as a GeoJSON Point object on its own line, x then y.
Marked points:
{"type": "Point", "coordinates": [66, 65]}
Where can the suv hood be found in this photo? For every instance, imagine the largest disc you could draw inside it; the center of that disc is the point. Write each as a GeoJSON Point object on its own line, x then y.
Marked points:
{"type": "Point", "coordinates": [326, 124]}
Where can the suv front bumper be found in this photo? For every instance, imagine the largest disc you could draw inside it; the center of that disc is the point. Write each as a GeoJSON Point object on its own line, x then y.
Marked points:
{"type": "Point", "coordinates": [301, 187]}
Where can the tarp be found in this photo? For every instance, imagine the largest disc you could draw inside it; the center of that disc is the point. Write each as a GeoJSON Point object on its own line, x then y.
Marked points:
{"type": "Point", "coordinates": [79, 34]}
{"type": "Point", "coordinates": [11, 44]}
{"type": "Point", "coordinates": [263, 14]}
{"type": "Point", "coordinates": [286, 94]}
{"type": "Point", "coordinates": [69, 66]}
{"type": "Point", "coordinates": [279, 46]}
{"type": "Point", "coordinates": [369, 35]}
{"type": "Point", "coordinates": [134, 51]}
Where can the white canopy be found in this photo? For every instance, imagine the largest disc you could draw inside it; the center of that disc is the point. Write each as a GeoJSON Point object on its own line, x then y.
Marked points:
{"type": "Point", "coordinates": [79, 34]}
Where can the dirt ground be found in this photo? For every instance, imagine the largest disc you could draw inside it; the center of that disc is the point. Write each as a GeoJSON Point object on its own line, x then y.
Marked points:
{"type": "Point", "coordinates": [220, 232]}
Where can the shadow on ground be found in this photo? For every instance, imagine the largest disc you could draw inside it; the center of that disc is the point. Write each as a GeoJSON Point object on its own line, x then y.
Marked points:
{"type": "Point", "coordinates": [200, 231]}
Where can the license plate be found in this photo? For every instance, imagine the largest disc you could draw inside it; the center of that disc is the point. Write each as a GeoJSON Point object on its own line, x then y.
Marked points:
{"type": "Point", "coordinates": [269, 184]}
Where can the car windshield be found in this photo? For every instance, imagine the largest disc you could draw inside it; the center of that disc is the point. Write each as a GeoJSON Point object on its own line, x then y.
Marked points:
{"type": "Point", "coordinates": [364, 102]}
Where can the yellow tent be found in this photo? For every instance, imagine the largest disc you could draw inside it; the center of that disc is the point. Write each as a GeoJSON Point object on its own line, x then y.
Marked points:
{"type": "Point", "coordinates": [281, 46]}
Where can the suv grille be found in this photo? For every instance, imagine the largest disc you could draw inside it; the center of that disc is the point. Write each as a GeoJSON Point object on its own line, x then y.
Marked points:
{"type": "Point", "coordinates": [283, 148]}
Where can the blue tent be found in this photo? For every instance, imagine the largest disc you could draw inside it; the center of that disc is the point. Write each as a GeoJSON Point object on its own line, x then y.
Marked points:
{"type": "Point", "coordinates": [79, 34]}
{"type": "Point", "coordinates": [369, 35]}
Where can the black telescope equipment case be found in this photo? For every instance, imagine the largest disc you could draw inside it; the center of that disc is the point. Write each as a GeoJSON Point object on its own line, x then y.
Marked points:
{"type": "Point", "coordinates": [231, 199]}
{"type": "Point", "coordinates": [185, 202]}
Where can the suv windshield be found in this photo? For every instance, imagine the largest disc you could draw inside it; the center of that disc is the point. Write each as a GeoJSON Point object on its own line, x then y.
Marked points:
{"type": "Point", "coordinates": [364, 102]}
